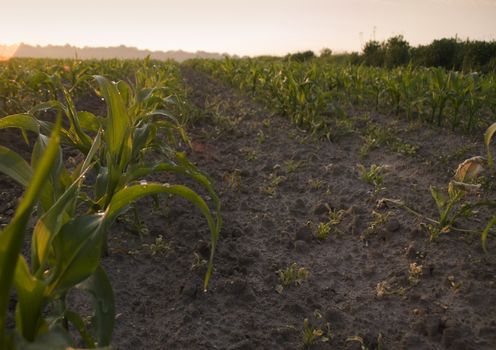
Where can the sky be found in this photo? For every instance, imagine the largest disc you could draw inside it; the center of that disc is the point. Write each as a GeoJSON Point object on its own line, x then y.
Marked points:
{"type": "Point", "coordinates": [243, 27]}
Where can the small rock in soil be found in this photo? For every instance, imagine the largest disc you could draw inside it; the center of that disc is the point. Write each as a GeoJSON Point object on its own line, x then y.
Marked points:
{"type": "Point", "coordinates": [393, 225]}
{"type": "Point", "coordinates": [453, 333]}
{"type": "Point", "coordinates": [432, 326]}
{"type": "Point", "coordinates": [242, 345]}
{"type": "Point", "coordinates": [203, 249]}
{"type": "Point", "coordinates": [414, 342]}
{"type": "Point", "coordinates": [245, 173]}
{"type": "Point", "coordinates": [300, 204]}
{"type": "Point", "coordinates": [190, 291]}
{"type": "Point", "coordinates": [335, 317]}
{"type": "Point", "coordinates": [301, 246]}
{"type": "Point", "coordinates": [268, 223]}
{"type": "Point", "coordinates": [411, 251]}
{"type": "Point", "coordinates": [320, 209]}
{"type": "Point", "coordinates": [304, 233]}
{"type": "Point", "coordinates": [267, 167]}
{"type": "Point", "coordinates": [294, 309]}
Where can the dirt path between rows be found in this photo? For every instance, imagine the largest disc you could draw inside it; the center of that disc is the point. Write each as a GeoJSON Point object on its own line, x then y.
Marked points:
{"type": "Point", "coordinates": [276, 185]}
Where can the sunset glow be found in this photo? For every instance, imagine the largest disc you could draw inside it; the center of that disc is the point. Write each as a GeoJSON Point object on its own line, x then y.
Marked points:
{"type": "Point", "coordinates": [243, 27]}
{"type": "Point", "coordinates": [7, 52]}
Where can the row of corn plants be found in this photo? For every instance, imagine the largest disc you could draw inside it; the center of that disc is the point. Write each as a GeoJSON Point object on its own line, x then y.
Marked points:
{"type": "Point", "coordinates": [25, 82]}
{"type": "Point", "coordinates": [76, 204]}
{"type": "Point", "coordinates": [312, 92]}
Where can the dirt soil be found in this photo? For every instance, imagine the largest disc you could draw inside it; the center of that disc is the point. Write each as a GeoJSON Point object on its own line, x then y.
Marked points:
{"type": "Point", "coordinates": [277, 184]}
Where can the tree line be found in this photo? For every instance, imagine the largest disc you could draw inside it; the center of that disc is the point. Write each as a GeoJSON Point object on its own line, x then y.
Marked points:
{"type": "Point", "coordinates": [449, 53]}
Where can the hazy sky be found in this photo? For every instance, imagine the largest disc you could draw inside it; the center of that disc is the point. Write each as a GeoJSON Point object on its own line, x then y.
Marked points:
{"type": "Point", "coordinates": [242, 27]}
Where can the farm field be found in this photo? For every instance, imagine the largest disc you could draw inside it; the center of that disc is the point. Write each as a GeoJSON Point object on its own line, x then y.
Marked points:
{"type": "Point", "coordinates": [332, 200]}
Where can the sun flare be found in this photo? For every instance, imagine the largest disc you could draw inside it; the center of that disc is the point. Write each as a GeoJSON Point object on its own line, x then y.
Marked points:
{"type": "Point", "coordinates": [6, 52]}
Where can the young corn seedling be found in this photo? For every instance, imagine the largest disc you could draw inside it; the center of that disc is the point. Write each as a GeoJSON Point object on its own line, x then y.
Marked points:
{"type": "Point", "coordinates": [363, 346]}
{"type": "Point", "coordinates": [158, 247]}
{"type": "Point", "coordinates": [312, 334]}
{"type": "Point", "coordinates": [487, 141]}
{"type": "Point", "coordinates": [373, 175]}
{"type": "Point", "coordinates": [233, 180]}
{"type": "Point", "coordinates": [316, 184]}
{"type": "Point", "coordinates": [453, 206]}
{"type": "Point", "coordinates": [274, 182]}
{"type": "Point", "coordinates": [323, 230]}
{"type": "Point", "coordinates": [378, 220]}
{"type": "Point", "coordinates": [291, 275]}
{"type": "Point", "coordinates": [292, 165]}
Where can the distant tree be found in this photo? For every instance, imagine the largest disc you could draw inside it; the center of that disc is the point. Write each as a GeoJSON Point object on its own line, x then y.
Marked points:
{"type": "Point", "coordinates": [396, 52]}
{"type": "Point", "coordinates": [355, 58]}
{"type": "Point", "coordinates": [448, 53]}
{"type": "Point", "coordinates": [325, 52]}
{"type": "Point", "coordinates": [373, 53]}
{"type": "Point", "coordinates": [301, 56]}
{"type": "Point", "coordinates": [443, 53]}
{"type": "Point", "coordinates": [478, 55]}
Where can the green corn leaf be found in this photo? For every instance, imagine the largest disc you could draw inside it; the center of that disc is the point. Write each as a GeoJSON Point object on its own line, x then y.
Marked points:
{"type": "Point", "coordinates": [50, 223]}
{"type": "Point", "coordinates": [144, 94]}
{"type": "Point", "coordinates": [118, 124]}
{"type": "Point", "coordinates": [14, 166]}
{"type": "Point", "coordinates": [31, 123]}
{"type": "Point", "coordinates": [89, 121]}
{"type": "Point", "coordinates": [78, 323]}
{"type": "Point", "coordinates": [99, 287]}
{"type": "Point", "coordinates": [45, 106]}
{"type": "Point", "coordinates": [125, 91]}
{"type": "Point", "coordinates": [48, 193]}
{"type": "Point", "coordinates": [163, 113]}
{"type": "Point", "coordinates": [97, 141]}
{"type": "Point", "coordinates": [485, 233]}
{"type": "Point", "coordinates": [77, 248]}
{"type": "Point", "coordinates": [438, 198]}
{"type": "Point", "coordinates": [21, 121]}
{"type": "Point", "coordinates": [56, 338]}
{"type": "Point", "coordinates": [140, 139]}
{"type": "Point", "coordinates": [12, 237]}
{"type": "Point", "coordinates": [101, 182]}
{"type": "Point", "coordinates": [79, 136]}
{"type": "Point", "coordinates": [186, 169]}
{"type": "Point", "coordinates": [487, 141]}
{"type": "Point", "coordinates": [128, 195]}
{"type": "Point", "coordinates": [30, 300]}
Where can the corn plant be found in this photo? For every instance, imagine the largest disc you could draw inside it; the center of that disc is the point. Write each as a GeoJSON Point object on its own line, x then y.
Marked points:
{"type": "Point", "coordinates": [487, 141]}
{"type": "Point", "coordinates": [128, 131]}
{"type": "Point", "coordinates": [65, 253]}
{"type": "Point", "coordinates": [310, 94]}
{"type": "Point", "coordinates": [66, 246]}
